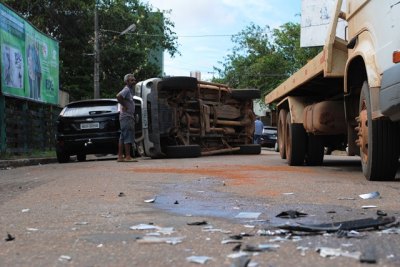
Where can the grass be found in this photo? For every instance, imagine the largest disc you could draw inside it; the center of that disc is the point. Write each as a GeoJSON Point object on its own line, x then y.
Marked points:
{"type": "Point", "coordinates": [31, 154]}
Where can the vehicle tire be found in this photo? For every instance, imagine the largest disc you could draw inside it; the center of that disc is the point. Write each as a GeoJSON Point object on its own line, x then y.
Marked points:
{"type": "Point", "coordinates": [281, 132]}
{"type": "Point", "coordinates": [295, 142]}
{"type": "Point", "coordinates": [178, 83]}
{"type": "Point", "coordinates": [315, 150]}
{"type": "Point", "coordinates": [81, 157]}
{"type": "Point", "coordinates": [246, 93]}
{"type": "Point", "coordinates": [62, 156]}
{"type": "Point", "coordinates": [251, 149]}
{"type": "Point", "coordinates": [190, 151]}
{"type": "Point", "coordinates": [378, 141]}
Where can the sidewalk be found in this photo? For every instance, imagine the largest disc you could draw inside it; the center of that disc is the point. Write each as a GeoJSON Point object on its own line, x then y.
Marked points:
{"type": "Point", "coordinates": [14, 163]}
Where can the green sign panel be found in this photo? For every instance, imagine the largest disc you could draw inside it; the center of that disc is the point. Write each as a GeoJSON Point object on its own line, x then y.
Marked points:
{"type": "Point", "coordinates": [29, 60]}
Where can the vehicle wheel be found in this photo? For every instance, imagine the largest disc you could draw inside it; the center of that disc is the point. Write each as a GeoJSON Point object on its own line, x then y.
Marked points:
{"type": "Point", "coordinates": [378, 141]}
{"type": "Point", "coordinates": [81, 157]}
{"type": "Point", "coordinates": [178, 83]}
{"type": "Point", "coordinates": [251, 149]}
{"type": "Point", "coordinates": [190, 151]}
{"type": "Point", "coordinates": [295, 142]}
{"type": "Point", "coordinates": [62, 156]}
{"type": "Point", "coordinates": [246, 93]}
{"type": "Point", "coordinates": [315, 150]}
{"type": "Point", "coordinates": [281, 132]}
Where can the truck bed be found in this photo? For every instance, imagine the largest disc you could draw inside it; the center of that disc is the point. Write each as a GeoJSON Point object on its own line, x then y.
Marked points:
{"type": "Point", "coordinates": [321, 76]}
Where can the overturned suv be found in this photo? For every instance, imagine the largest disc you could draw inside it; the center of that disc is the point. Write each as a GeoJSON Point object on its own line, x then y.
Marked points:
{"type": "Point", "coordinates": [184, 117]}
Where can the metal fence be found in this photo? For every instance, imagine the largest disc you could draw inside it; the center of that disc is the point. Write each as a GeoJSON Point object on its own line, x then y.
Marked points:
{"type": "Point", "coordinates": [26, 126]}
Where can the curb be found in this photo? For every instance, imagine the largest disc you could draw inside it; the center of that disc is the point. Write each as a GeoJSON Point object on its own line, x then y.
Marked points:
{"type": "Point", "coordinates": [25, 162]}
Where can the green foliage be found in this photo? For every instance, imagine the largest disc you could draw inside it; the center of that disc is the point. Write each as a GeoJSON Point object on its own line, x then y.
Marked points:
{"type": "Point", "coordinates": [263, 58]}
{"type": "Point", "coordinates": [72, 24]}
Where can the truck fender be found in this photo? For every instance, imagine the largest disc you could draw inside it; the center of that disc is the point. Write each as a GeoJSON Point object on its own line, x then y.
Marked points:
{"type": "Point", "coordinates": [365, 49]}
{"type": "Point", "coordinates": [295, 105]}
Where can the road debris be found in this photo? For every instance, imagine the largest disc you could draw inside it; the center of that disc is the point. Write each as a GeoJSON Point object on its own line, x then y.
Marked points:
{"type": "Point", "coordinates": [336, 226]}
{"type": "Point", "coordinates": [248, 215]}
{"type": "Point", "coordinates": [371, 195]}
{"type": "Point", "coordinates": [9, 237]}
{"type": "Point", "coordinates": [327, 252]}
{"type": "Point", "coordinates": [158, 240]}
{"type": "Point", "coordinates": [121, 194]}
{"type": "Point", "coordinates": [197, 223]}
{"type": "Point", "coordinates": [25, 210]}
{"type": "Point", "coordinates": [198, 259]}
{"type": "Point", "coordinates": [81, 223]}
{"type": "Point", "coordinates": [369, 255]}
{"type": "Point", "coordinates": [346, 198]}
{"type": "Point", "coordinates": [64, 258]}
{"type": "Point", "coordinates": [144, 226]}
{"type": "Point", "coordinates": [151, 200]}
{"type": "Point", "coordinates": [291, 214]}
{"type": "Point", "coordinates": [368, 207]}
{"type": "Point", "coordinates": [260, 248]}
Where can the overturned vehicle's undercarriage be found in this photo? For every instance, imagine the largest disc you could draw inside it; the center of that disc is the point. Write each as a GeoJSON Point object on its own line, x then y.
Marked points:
{"type": "Point", "coordinates": [184, 117]}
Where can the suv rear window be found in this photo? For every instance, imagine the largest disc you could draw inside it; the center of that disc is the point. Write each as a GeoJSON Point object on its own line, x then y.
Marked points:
{"type": "Point", "coordinates": [91, 110]}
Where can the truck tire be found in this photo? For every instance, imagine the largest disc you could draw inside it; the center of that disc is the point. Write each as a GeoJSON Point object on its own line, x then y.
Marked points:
{"type": "Point", "coordinates": [244, 94]}
{"type": "Point", "coordinates": [296, 140]}
{"type": "Point", "coordinates": [190, 151]}
{"type": "Point", "coordinates": [251, 149]}
{"type": "Point", "coordinates": [81, 157]}
{"type": "Point", "coordinates": [178, 83]}
{"type": "Point", "coordinates": [281, 132]}
{"type": "Point", "coordinates": [62, 156]}
{"type": "Point", "coordinates": [378, 141]}
{"type": "Point", "coordinates": [315, 150]}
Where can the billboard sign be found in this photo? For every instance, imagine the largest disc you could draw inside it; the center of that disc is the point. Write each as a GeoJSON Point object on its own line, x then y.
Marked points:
{"type": "Point", "coordinates": [29, 60]}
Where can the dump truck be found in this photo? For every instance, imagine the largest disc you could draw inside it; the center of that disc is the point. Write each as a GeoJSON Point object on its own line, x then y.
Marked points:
{"type": "Point", "coordinates": [348, 96]}
{"type": "Point", "coordinates": [182, 117]}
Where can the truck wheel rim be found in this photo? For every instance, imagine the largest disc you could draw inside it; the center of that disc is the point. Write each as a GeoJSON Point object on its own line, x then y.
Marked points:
{"type": "Point", "coordinates": [363, 132]}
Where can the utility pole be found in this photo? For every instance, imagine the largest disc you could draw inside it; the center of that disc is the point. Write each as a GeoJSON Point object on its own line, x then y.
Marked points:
{"type": "Point", "coordinates": [96, 55]}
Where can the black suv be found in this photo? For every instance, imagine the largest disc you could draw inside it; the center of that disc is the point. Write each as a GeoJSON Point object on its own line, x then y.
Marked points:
{"type": "Point", "coordinates": [87, 127]}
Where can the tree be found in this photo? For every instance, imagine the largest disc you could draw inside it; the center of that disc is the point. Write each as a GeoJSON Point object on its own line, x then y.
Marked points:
{"type": "Point", "coordinates": [72, 24]}
{"type": "Point", "coordinates": [263, 59]}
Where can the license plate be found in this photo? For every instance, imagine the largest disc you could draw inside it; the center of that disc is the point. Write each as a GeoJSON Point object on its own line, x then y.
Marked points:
{"type": "Point", "coordinates": [90, 125]}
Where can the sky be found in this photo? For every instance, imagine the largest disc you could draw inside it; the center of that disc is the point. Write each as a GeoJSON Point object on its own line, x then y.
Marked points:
{"type": "Point", "coordinates": [215, 21]}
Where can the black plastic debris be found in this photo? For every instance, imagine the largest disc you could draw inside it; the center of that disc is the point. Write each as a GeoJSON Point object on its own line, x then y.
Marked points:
{"type": "Point", "coordinates": [237, 247]}
{"type": "Point", "coordinates": [344, 225]}
{"type": "Point", "coordinates": [176, 202]}
{"type": "Point", "coordinates": [9, 238]}
{"type": "Point", "coordinates": [381, 213]}
{"type": "Point", "coordinates": [197, 223]}
{"type": "Point", "coordinates": [121, 194]}
{"type": "Point", "coordinates": [291, 214]}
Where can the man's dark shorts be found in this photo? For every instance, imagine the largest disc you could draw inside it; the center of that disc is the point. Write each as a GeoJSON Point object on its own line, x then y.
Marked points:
{"type": "Point", "coordinates": [127, 130]}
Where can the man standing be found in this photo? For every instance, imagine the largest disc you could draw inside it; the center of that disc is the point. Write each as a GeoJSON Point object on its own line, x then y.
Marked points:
{"type": "Point", "coordinates": [259, 126]}
{"type": "Point", "coordinates": [127, 119]}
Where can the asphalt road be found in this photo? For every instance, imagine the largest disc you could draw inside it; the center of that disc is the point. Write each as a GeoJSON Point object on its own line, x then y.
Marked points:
{"type": "Point", "coordinates": [92, 213]}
